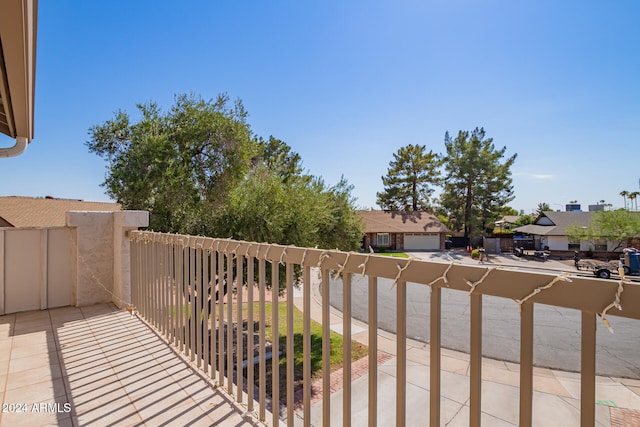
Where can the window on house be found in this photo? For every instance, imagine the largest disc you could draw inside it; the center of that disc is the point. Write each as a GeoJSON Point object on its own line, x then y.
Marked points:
{"type": "Point", "coordinates": [574, 245]}
{"type": "Point", "coordinates": [600, 245]}
{"type": "Point", "coordinates": [383, 239]}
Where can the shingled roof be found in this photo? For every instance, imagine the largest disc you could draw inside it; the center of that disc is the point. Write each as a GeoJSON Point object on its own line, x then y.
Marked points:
{"type": "Point", "coordinates": [401, 222]}
{"type": "Point", "coordinates": [44, 212]}
{"type": "Point", "coordinates": [556, 223]}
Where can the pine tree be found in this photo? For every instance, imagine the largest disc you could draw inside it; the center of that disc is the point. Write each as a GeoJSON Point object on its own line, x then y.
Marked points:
{"type": "Point", "coordinates": [409, 180]}
{"type": "Point", "coordinates": [477, 185]}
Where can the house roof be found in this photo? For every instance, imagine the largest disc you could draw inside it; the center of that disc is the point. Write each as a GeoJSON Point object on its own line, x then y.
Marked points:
{"type": "Point", "coordinates": [401, 222]}
{"type": "Point", "coordinates": [510, 219]}
{"type": "Point", "coordinates": [48, 212]}
{"type": "Point", "coordinates": [555, 223]}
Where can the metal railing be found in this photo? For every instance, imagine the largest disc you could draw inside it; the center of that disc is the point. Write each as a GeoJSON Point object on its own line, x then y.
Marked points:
{"type": "Point", "coordinates": [184, 286]}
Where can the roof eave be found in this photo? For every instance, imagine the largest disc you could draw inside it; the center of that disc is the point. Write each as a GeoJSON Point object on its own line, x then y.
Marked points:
{"type": "Point", "coordinates": [18, 34]}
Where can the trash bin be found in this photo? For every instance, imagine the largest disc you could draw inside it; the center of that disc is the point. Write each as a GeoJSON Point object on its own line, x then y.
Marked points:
{"type": "Point", "coordinates": [447, 244]}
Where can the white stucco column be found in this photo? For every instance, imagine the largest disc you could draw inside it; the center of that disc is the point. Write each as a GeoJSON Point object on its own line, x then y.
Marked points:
{"type": "Point", "coordinates": [103, 265]}
{"type": "Point", "coordinates": [94, 268]}
{"type": "Point", "coordinates": [123, 222]}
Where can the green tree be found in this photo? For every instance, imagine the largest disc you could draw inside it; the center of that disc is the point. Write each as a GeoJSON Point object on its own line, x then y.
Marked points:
{"type": "Point", "coordinates": [178, 165]}
{"type": "Point", "coordinates": [409, 180]}
{"type": "Point", "coordinates": [477, 184]}
{"type": "Point", "coordinates": [525, 220]}
{"type": "Point", "coordinates": [277, 156]}
{"type": "Point", "coordinates": [198, 169]}
{"type": "Point", "coordinates": [543, 207]}
{"type": "Point", "coordinates": [618, 226]}
{"type": "Point", "coordinates": [301, 212]}
{"type": "Point", "coordinates": [508, 210]}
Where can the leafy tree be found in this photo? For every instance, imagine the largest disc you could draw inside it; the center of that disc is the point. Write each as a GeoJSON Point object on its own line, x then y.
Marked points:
{"type": "Point", "coordinates": [198, 169]}
{"type": "Point", "coordinates": [525, 220]}
{"type": "Point", "coordinates": [178, 165]}
{"type": "Point", "coordinates": [477, 185]}
{"type": "Point", "coordinates": [618, 226]}
{"type": "Point", "coordinates": [508, 210]}
{"type": "Point", "coordinates": [301, 212]}
{"type": "Point", "coordinates": [277, 157]}
{"type": "Point", "coordinates": [543, 207]}
{"type": "Point", "coordinates": [411, 173]}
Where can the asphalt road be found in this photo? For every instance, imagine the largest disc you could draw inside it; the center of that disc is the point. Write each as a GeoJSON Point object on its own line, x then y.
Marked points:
{"type": "Point", "coordinates": [556, 331]}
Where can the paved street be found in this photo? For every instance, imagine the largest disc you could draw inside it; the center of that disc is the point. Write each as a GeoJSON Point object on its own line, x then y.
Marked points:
{"type": "Point", "coordinates": [557, 331]}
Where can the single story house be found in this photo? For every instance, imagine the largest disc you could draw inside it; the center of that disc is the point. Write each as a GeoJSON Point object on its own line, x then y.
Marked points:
{"type": "Point", "coordinates": [402, 231]}
{"type": "Point", "coordinates": [45, 212]}
{"type": "Point", "coordinates": [507, 222]}
{"type": "Point", "coordinates": [549, 231]}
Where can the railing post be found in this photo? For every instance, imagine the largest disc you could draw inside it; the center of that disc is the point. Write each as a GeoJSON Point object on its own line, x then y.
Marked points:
{"type": "Point", "coordinates": [230, 282]}
{"type": "Point", "coordinates": [275, 345]}
{"type": "Point", "coordinates": [306, 343]}
{"type": "Point", "coordinates": [192, 293]}
{"type": "Point", "coordinates": [401, 354]}
{"type": "Point", "coordinates": [262, 377]}
{"type": "Point", "coordinates": [222, 285]}
{"type": "Point", "coordinates": [290, 348]}
{"type": "Point", "coordinates": [180, 294]}
{"type": "Point", "coordinates": [588, 370]}
{"type": "Point", "coordinates": [214, 321]}
{"type": "Point", "coordinates": [239, 328]}
{"type": "Point", "coordinates": [475, 380]}
{"type": "Point", "coordinates": [373, 352]}
{"type": "Point", "coordinates": [435, 355]}
{"type": "Point", "coordinates": [326, 349]}
{"type": "Point", "coordinates": [206, 332]}
{"type": "Point", "coordinates": [346, 349]}
{"type": "Point", "coordinates": [250, 334]}
{"type": "Point", "coordinates": [198, 296]}
{"type": "Point", "coordinates": [526, 364]}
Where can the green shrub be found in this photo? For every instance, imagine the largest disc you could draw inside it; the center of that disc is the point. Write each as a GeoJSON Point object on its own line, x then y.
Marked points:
{"type": "Point", "coordinates": [475, 254]}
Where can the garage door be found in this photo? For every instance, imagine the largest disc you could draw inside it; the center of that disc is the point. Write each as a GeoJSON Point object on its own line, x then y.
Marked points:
{"type": "Point", "coordinates": [421, 242]}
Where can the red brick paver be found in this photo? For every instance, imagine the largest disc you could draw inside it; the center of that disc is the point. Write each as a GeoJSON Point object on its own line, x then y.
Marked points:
{"type": "Point", "coordinates": [359, 368]}
{"type": "Point", "coordinates": [621, 417]}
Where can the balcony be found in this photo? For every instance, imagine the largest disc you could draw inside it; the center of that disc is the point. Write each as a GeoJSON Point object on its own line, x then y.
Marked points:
{"type": "Point", "coordinates": [98, 365]}
{"type": "Point", "coordinates": [109, 363]}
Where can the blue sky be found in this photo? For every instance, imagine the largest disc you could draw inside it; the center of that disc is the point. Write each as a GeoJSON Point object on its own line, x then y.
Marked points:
{"type": "Point", "coordinates": [346, 84]}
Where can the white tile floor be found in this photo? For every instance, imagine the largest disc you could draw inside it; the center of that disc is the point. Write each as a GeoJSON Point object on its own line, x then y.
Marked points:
{"type": "Point", "coordinates": [98, 366]}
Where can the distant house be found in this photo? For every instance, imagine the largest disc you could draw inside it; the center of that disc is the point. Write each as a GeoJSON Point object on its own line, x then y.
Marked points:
{"type": "Point", "coordinates": [44, 212]}
{"type": "Point", "coordinates": [507, 222]}
{"type": "Point", "coordinates": [549, 231]}
{"type": "Point", "coordinates": [404, 231]}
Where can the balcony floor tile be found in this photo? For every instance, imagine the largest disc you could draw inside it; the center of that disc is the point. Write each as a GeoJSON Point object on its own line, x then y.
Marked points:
{"type": "Point", "coordinates": [111, 369]}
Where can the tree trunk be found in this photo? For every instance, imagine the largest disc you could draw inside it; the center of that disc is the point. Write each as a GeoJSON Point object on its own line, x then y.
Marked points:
{"type": "Point", "coordinates": [414, 196]}
{"type": "Point", "coordinates": [467, 213]}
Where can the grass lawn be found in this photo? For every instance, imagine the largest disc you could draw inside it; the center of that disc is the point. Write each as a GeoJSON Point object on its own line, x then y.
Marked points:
{"type": "Point", "coordinates": [357, 350]}
{"type": "Point", "coordinates": [393, 254]}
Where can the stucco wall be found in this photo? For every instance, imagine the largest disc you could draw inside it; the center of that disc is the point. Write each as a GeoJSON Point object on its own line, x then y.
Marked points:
{"type": "Point", "coordinates": [94, 232]}
{"type": "Point", "coordinates": [103, 266]}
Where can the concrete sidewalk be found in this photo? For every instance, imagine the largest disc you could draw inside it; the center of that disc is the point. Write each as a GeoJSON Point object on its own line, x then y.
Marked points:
{"type": "Point", "coordinates": [556, 398]}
